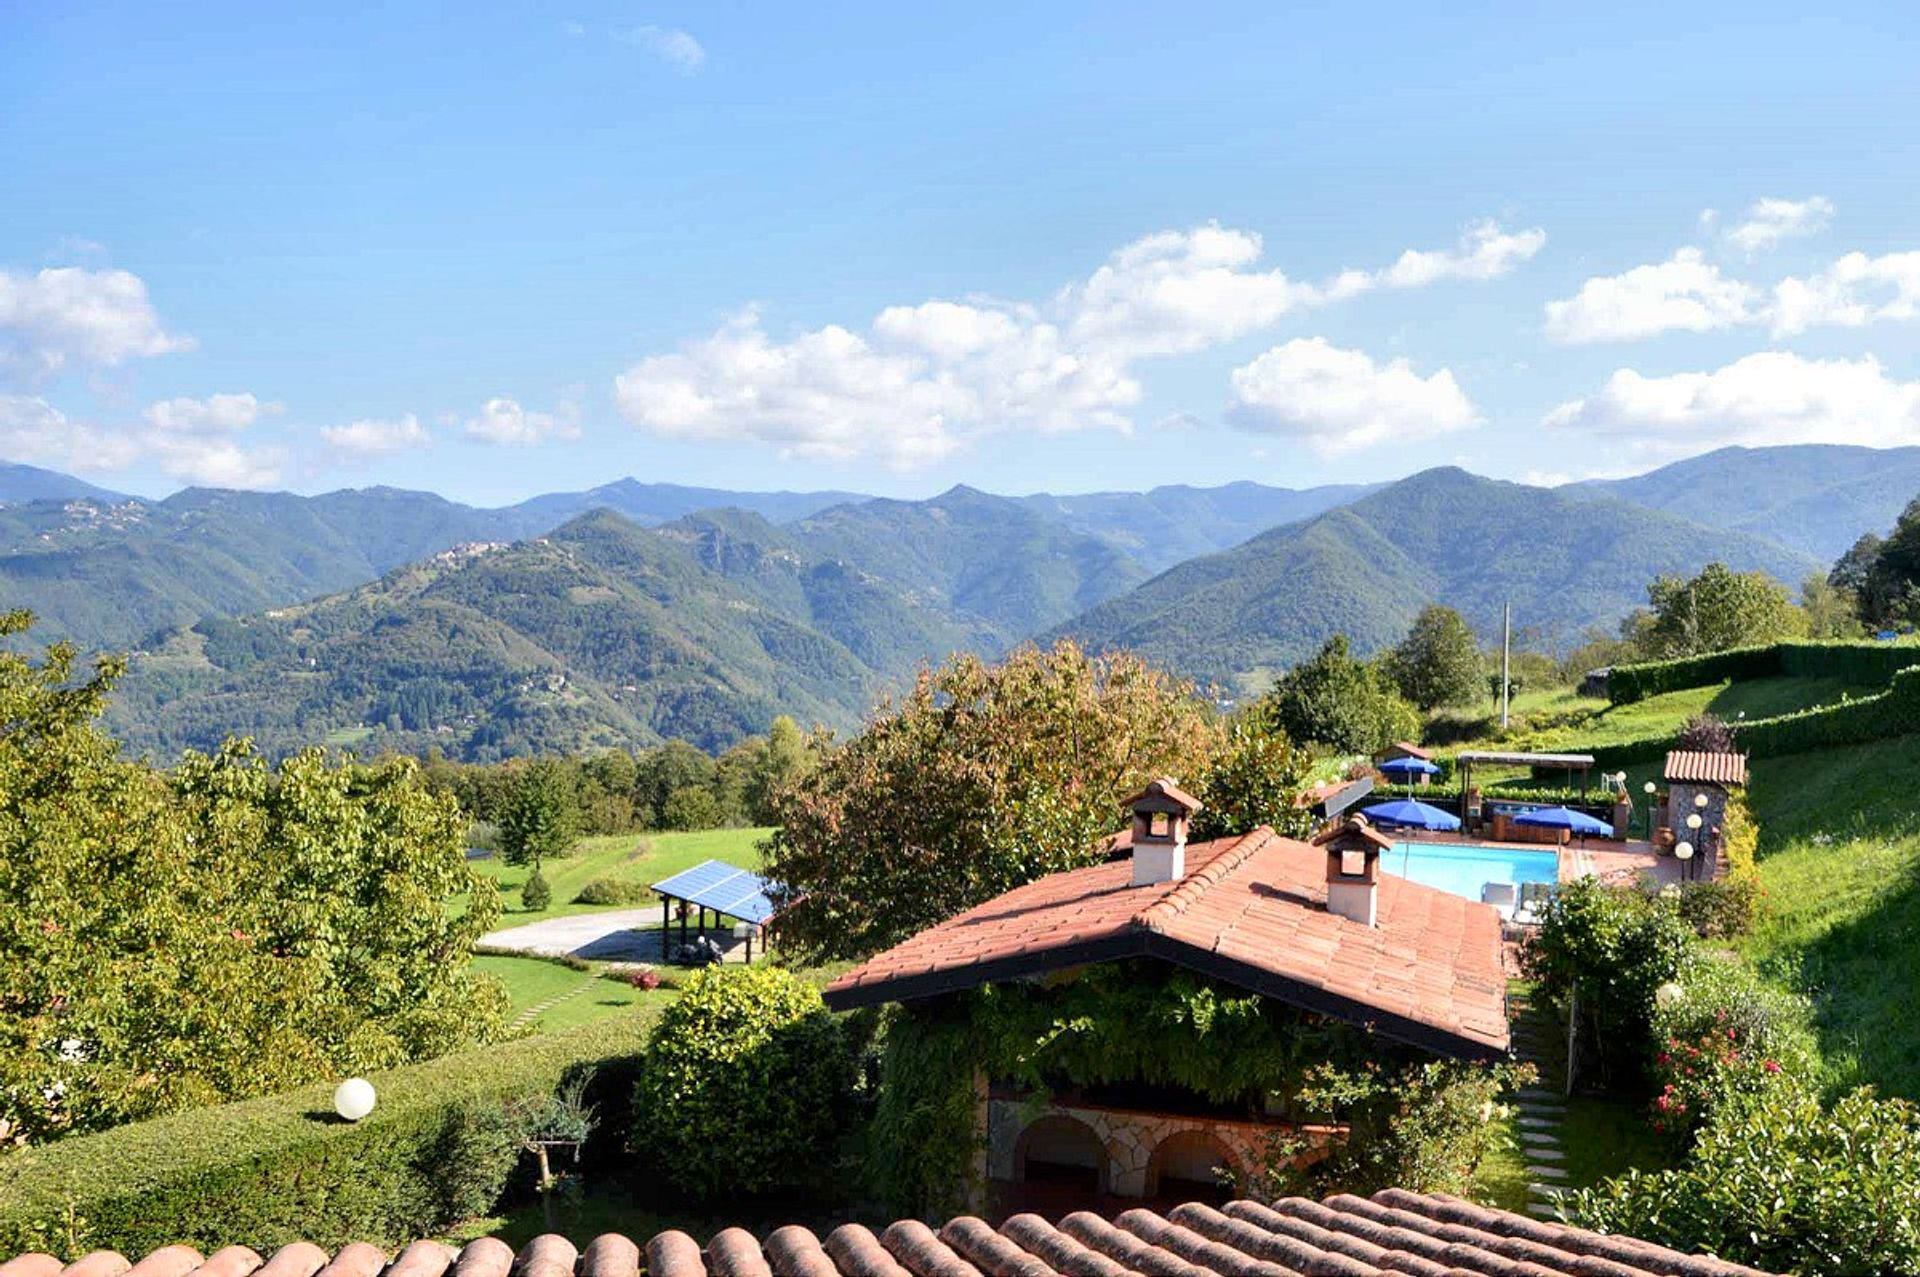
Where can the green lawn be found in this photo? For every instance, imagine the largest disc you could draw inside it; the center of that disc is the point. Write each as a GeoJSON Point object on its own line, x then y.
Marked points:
{"type": "Point", "coordinates": [641, 858]}
{"type": "Point", "coordinates": [1840, 861]}
{"type": "Point", "coordinates": [1561, 719]}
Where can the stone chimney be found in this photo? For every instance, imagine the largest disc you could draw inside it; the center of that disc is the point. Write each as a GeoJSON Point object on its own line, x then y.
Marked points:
{"type": "Point", "coordinates": [1162, 815]}
{"type": "Point", "coordinates": [1353, 869]}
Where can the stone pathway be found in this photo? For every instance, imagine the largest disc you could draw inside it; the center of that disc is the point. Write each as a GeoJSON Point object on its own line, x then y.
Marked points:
{"type": "Point", "coordinates": [1541, 1107]}
{"type": "Point", "coordinates": [539, 1009]}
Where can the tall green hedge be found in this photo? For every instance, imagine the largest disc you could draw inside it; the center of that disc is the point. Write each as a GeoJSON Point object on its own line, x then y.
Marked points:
{"type": "Point", "coordinates": [268, 1171]}
{"type": "Point", "coordinates": [1629, 683]}
{"type": "Point", "coordinates": [1861, 663]}
{"type": "Point", "coordinates": [1894, 712]}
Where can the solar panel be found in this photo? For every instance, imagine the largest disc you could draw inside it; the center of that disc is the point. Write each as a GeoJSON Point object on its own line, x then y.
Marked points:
{"type": "Point", "coordinates": [725, 888]}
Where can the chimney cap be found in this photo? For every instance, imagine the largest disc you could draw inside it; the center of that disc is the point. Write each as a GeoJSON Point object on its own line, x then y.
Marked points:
{"type": "Point", "coordinates": [1353, 828]}
{"type": "Point", "coordinates": [1162, 795]}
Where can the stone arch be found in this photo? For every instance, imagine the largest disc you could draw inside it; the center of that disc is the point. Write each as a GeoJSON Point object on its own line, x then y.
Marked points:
{"type": "Point", "coordinates": [1059, 1149]}
{"type": "Point", "coordinates": [1186, 1165]}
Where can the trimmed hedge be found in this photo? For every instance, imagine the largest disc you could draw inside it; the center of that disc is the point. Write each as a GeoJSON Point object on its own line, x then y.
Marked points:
{"type": "Point", "coordinates": [268, 1171]}
{"type": "Point", "coordinates": [1629, 683]}
{"type": "Point", "coordinates": [1862, 663]}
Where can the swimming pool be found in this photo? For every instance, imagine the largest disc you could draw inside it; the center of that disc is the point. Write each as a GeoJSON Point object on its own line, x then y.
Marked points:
{"type": "Point", "coordinates": [1463, 868]}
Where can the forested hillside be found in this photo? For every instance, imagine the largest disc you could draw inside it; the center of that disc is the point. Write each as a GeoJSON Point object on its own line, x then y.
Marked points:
{"type": "Point", "coordinates": [1566, 560]}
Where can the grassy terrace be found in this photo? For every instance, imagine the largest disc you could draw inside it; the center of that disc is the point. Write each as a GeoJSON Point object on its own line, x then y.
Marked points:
{"type": "Point", "coordinates": [1840, 861]}
{"type": "Point", "coordinates": [1560, 718]}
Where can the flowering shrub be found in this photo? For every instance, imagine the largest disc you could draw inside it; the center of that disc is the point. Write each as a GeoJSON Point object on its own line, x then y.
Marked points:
{"type": "Point", "coordinates": [1722, 1034]}
{"type": "Point", "coordinates": [645, 981]}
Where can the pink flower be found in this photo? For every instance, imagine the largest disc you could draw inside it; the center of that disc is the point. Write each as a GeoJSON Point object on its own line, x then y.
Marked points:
{"type": "Point", "coordinates": [1771, 1066]}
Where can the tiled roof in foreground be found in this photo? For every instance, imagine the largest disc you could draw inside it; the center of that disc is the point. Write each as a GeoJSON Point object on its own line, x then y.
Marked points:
{"type": "Point", "coordinates": [1393, 1232]}
{"type": "Point", "coordinates": [1252, 911]}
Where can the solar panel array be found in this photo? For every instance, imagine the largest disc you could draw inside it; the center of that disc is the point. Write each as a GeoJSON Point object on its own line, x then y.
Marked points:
{"type": "Point", "coordinates": [722, 887]}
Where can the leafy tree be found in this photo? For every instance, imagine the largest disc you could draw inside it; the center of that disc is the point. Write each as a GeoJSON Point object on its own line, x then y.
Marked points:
{"type": "Point", "coordinates": [980, 778]}
{"type": "Point", "coordinates": [1439, 662]}
{"type": "Point", "coordinates": [692, 808]}
{"type": "Point", "coordinates": [788, 757]}
{"type": "Point", "coordinates": [1719, 609]}
{"type": "Point", "coordinates": [1604, 951]}
{"type": "Point", "coordinates": [674, 766]}
{"type": "Point", "coordinates": [1832, 612]}
{"type": "Point", "coordinates": [541, 817]}
{"type": "Point", "coordinates": [1854, 570]}
{"type": "Point", "coordinates": [1253, 781]}
{"type": "Point", "coordinates": [1340, 702]}
{"type": "Point", "coordinates": [226, 929]}
{"type": "Point", "coordinates": [745, 1058]}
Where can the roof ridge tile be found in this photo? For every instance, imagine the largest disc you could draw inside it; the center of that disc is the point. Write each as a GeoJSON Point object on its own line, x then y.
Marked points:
{"type": "Point", "coordinates": [1202, 880]}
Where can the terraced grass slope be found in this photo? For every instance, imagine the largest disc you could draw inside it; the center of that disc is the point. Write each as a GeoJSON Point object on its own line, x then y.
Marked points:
{"type": "Point", "coordinates": [1840, 861]}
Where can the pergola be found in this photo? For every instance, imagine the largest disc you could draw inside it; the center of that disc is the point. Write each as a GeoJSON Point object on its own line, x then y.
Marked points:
{"type": "Point", "coordinates": [731, 892]}
{"type": "Point", "coordinates": [1465, 760]}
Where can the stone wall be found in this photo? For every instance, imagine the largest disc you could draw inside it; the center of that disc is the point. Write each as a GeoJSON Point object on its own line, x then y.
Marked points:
{"type": "Point", "coordinates": [1129, 1137]}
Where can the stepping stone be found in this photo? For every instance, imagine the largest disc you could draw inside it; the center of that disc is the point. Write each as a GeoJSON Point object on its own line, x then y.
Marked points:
{"type": "Point", "coordinates": [1547, 1172]}
{"type": "Point", "coordinates": [1540, 1138]}
{"type": "Point", "coordinates": [1537, 1123]}
{"type": "Point", "coordinates": [1539, 1093]}
{"type": "Point", "coordinates": [1537, 1153]}
{"type": "Point", "coordinates": [1548, 1192]}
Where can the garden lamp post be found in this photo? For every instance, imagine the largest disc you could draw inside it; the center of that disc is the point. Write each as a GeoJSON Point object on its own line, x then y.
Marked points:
{"type": "Point", "coordinates": [1693, 833]}
{"type": "Point", "coordinates": [1651, 789]}
{"type": "Point", "coordinates": [1683, 852]}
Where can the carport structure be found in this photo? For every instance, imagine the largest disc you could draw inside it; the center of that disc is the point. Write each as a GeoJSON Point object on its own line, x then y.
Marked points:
{"type": "Point", "coordinates": [728, 890]}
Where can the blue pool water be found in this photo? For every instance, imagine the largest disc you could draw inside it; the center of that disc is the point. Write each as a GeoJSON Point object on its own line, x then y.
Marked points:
{"type": "Point", "coordinates": [1462, 868]}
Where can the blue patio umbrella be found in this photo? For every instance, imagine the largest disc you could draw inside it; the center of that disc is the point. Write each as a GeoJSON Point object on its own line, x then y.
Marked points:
{"type": "Point", "coordinates": [1406, 769]}
{"type": "Point", "coordinates": [1410, 813]}
{"type": "Point", "coordinates": [1577, 822]}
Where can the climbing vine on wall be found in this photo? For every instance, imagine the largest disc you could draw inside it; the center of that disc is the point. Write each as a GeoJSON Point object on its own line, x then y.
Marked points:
{"type": "Point", "coordinates": [1116, 1023]}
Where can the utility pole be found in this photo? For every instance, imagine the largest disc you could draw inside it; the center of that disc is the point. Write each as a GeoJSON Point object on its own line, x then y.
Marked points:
{"type": "Point", "coordinates": [1506, 659]}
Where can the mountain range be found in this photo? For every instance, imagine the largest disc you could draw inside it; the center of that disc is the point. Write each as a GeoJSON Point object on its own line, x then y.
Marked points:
{"type": "Point", "coordinates": [633, 611]}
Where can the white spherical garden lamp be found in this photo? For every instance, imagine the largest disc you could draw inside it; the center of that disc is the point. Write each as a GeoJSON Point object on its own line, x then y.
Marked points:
{"type": "Point", "coordinates": [1700, 800]}
{"type": "Point", "coordinates": [353, 1099]}
{"type": "Point", "coordinates": [1650, 789]}
{"type": "Point", "coordinates": [1693, 820]}
{"type": "Point", "coordinates": [1683, 851]}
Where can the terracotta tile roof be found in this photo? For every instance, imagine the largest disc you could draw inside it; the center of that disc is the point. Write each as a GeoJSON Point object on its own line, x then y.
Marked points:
{"type": "Point", "coordinates": [1405, 749]}
{"type": "Point", "coordinates": [1251, 911]}
{"type": "Point", "coordinates": [1691, 766]}
{"type": "Point", "coordinates": [1392, 1232]}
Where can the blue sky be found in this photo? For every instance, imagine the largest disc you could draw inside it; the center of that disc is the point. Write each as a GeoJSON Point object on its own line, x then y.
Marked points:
{"type": "Point", "coordinates": [496, 250]}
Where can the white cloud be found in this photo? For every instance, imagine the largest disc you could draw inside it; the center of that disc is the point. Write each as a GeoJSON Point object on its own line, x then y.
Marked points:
{"type": "Point", "coordinates": [924, 381]}
{"type": "Point", "coordinates": [1684, 292]}
{"type": "Point", "coordinates": [505, 422]}
{"type": "Point", "coordinates": [1855, 291]}
{"type": "Point", "coordinates": [1485, 252]}
{"type": "Point", "coordinates": [1770, 221]}
{"type": "Point", "coordinates": [187, 439]}
{"type": "Point", "coordinates": [96, 317]}
{"type": "Point", "coordinates": [671, 45]}
{"type": "Point", "coordinates": [1774, 397]}
{"type": "Point", "coordinates": [216, 414]}
{"type": "Point", "coordinates": [1337, 401]}
{"type": "Point", "coordinates": [369, 438]}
